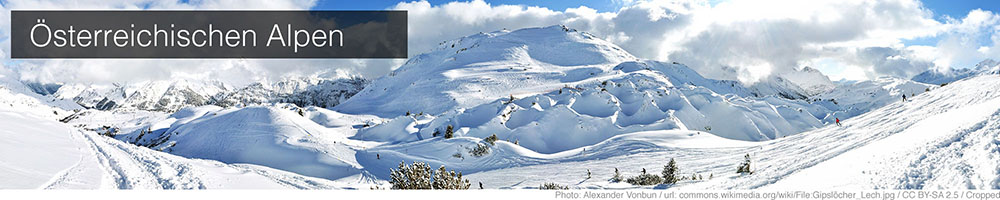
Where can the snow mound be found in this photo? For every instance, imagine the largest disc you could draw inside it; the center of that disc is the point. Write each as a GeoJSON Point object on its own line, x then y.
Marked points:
{"type": "Point", "coordinates": [639, 96]}
{"type": "Point", "coordinates": [261, 135]}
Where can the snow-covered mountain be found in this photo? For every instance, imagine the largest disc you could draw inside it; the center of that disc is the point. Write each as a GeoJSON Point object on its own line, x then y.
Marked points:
{"type": "Point", "coordinates": [173, 95]}
{"type": "Point", "coordinates": [937, 77]}
{"type": "Point", "coordinates": [17, 97]}
{"type": "Point", "coordinates": [561, 103]}
{"type": "Point", "coordinates": [481, 68]}
{"type": "Point", "coordinates": [522, 86]}
{"type": "Point", "coordinates": [300, 91]}
{"type": "Point", "coordinates": [857, 98]}
{"type": "Point", "coordinates": [942, 139]}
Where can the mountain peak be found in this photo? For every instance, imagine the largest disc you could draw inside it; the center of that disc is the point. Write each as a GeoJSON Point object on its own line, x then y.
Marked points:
{"type": "Point", "coordinates": [482, 67]}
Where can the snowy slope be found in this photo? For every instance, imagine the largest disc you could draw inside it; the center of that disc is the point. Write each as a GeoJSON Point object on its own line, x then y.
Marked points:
{"type": "Point", "coordinates": [262, 135]}
{"type": "Point", "coordinates": [16, 97]}
{"type": "Point", "coordinates": [52, 155]}
{"type": "Point", "coordinates": [857, 98]}
{"type": "Point", "coordinates": [946, 138]}
{"type": "Point", "coordinates": [567, 83]}
{"type": "Point", "coordinates": [481, 68]}
{"type": "Point", "coordinates": [640, 96]}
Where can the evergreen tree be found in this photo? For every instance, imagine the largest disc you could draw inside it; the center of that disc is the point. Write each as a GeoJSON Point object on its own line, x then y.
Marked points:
{"type": "Point", "coordinates": [745, 166]}
{"type": "Point", "coordinates": [617, 177]}
{"type": "Point", "coordinates": [410, 177]}
{"type": "Point", "coordinates": [449, 132]}
{"type": "Point", "coordinates": [445, 180]}
{"type": "Point", "coordinates": [491, 139]}
{"type": "Point", "coordinates": [670, 172]}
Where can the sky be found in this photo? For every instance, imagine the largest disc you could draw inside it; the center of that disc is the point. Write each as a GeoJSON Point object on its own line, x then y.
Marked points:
{"type": "Point", "coordinates": [745, 40]}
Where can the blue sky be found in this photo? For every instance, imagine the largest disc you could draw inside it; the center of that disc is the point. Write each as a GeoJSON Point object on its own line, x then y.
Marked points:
{"type": "Point", "coordinates": [940, 8]}
{"type": "Point", "coordinates": [601, 6]}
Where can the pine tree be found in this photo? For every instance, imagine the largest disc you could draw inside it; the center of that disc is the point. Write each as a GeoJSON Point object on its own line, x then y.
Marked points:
{"type": "Point", "coordinates": [491, 139]}
{"type": "Point", "coordinates": [449, 132]}
{"type": "Point", "coordinates": [745, 166]}
{"type": "Point", "coordinates": [410, 177]}
{"type": "Point", "coordinates": [445, 180]}
{"type": "Point", "coordinates": [419, 176]}
{"type": "Point", "coordinates": [670, 172]}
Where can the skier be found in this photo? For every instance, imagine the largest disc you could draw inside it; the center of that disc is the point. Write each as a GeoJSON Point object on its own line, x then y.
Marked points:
{"type": "Point", "coordinates": [904, 97]}
{"type": "Point", "coordinates": [838, 121]}
{"type": "Point", "coordinates": [480, 185]}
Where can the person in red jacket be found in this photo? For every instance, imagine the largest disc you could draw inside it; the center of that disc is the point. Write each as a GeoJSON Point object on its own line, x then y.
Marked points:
{"type": "Point", "coordinates": [838, 121]}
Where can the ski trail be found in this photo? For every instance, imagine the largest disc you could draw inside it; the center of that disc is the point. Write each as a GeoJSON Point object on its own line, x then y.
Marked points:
{"type": "Point", "coordinates": [134, 170]}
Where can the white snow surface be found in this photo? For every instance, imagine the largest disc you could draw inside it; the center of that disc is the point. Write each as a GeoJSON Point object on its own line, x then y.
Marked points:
{"type": "Point", "coordinates": [52, 155]}
{"type": "Point", "coordinates": [944, 139]}
{"type": "Point", "coordinates": [561, 102]}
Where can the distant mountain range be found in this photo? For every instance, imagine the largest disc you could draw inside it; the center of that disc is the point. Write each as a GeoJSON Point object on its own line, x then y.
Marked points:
{"type": "Point", "coordinates": [170, 96]}
{"type": "Point", "coordinates": [934, 76]}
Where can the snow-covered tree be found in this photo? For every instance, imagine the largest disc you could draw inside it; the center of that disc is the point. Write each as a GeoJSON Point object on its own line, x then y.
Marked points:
{"type": "Point", "coordinates": [644, 179]}
{"type": "Point", "coordinates": [419, 176]}
{"type": "Point", "coordinates": [480, 150]}
{"type": "Point", "coordinates": [745, 166]}
{"type": "Point", "coordinates": [449, 180]}
{"type": "Point", "coordinates": [670, 172]}
{"type": "Point", "coordinates": [491, 139]}
{"type": "Point", "coordinates": [617, 177]}
{"type": "Point", "coordinates": [552, 186]}
{"type": "Point", "coordinates": [411, 177]}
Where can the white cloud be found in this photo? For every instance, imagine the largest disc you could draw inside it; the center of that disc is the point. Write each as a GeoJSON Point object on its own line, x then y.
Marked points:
{"type": "Point", "coordinates": [969, 40]}
{"type": "Point", "coordinates": [851, 39]}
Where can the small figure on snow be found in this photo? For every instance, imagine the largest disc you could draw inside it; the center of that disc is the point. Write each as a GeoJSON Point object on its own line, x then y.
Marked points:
{"type": "Point", "coordinates": [838, 121]}
{"type": "Point", "coordinates": [904, 97]}
{"type": "Point", "coordinates": [480, 185]}
{"type": "Point", "coordinates": [378, 157]}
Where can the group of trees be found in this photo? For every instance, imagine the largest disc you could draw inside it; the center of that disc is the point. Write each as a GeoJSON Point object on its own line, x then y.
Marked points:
{"type": "Point", "coordinates": [419, 176]}
{"type": "Point", "coordinates": [670, 174]}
